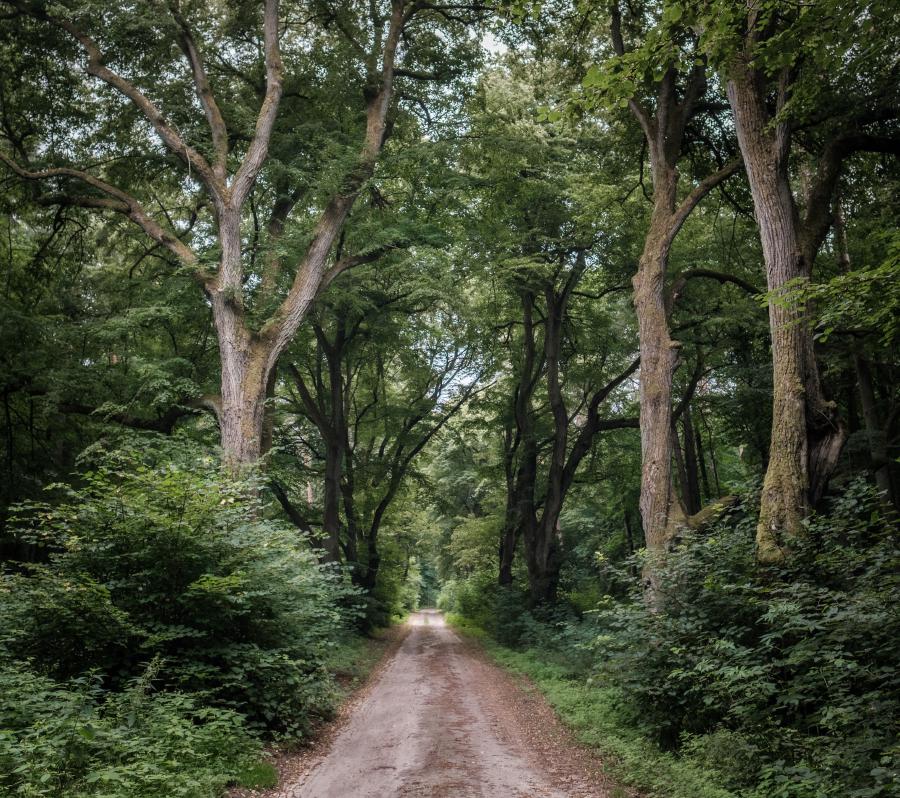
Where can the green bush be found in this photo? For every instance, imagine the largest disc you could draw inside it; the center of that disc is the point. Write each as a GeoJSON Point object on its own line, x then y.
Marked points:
{"type": "Point", "coordinates": [782, 678]}
{"type": "Point", "coordinates": [156, 555]}
{"type": "Point", "coordinates": [76, 740]}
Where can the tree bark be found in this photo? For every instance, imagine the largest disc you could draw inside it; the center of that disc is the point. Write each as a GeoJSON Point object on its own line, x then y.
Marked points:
{"type": "Point", "coordinates": [784, 502]}
{"type": "Point", "coordinates": [521, 448]}
{"type": "Point", "coordinates": [659, 357]}
{"type": "Point", "coordinates": [663, 124]}
{"type": "Point", "coordinates": [806, 436]}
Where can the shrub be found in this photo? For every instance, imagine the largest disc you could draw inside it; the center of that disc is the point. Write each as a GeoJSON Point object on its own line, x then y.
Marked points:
{"type": "Point", "coordinates": [76, 740]}
{"type": "Point", "coordinates": [156, 555]}
{"type": "Point", "coordinates": [797, 663]}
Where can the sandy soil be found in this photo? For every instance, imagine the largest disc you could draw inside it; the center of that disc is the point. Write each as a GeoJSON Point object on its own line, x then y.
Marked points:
{"type": "Point", "coordinates": [440, 721]}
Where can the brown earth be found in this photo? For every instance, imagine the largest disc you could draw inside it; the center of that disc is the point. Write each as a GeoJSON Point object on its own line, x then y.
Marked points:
{"type": "Point", "coordinates": [439, 720]}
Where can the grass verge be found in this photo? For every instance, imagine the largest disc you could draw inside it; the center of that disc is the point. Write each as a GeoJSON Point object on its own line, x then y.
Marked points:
{"type": "Point", "coordinates": [353, 659]}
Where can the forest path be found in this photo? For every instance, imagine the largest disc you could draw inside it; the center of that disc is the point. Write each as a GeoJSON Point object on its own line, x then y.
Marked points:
{"type": "Point", "coordinates": [440, 721]}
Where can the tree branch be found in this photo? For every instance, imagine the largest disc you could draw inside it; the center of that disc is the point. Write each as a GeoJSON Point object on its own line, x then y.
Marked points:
{"type": "Point", "coordinates": [289, 509]}
{"type": "Point", "coordinates": [593, 425]}
{"type": "Point", "coordinates": [217, 126]}
{"type": "Point", "coordinates": [349, 261]}
{"type": "Point", "coordinates": [170, 136]}
{"type": "Point", "coordinates": [640, 113]}
{"type": "Point", "coordinates": [121, 201]}
{"type": "Point", "coordinates": [680, 281]}
{"type": "Point", "coordinates": [265, 122]}
{"type": "Point", "coordinates": [280, 328]}
{"type": "Point", "coordinates": [697, 194]}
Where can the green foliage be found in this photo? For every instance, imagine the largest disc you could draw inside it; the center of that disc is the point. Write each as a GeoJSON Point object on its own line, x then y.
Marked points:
{"type": "Point", "coordinates": [753, 682]}
{"type": "Point", "coordinates": [866, 300]}
{"type": "Point", "coordinates": [156, 555]}
{"type": "Point", "coordinates": [783, 679]}
{"type": "Point", "coordinates": [74, 740]}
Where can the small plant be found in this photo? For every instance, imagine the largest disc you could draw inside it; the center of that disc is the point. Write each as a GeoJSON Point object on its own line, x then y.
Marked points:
{"type": "Point", "coordinates": [75, 739]}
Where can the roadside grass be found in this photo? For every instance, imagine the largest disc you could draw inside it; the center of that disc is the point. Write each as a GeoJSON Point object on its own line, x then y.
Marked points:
{"type": "Point", "coordinates": [260, 775]}
{"type": "Point", "coordinates": [353, 658]}
{"type": "Point", "coordinates": [599, 719]}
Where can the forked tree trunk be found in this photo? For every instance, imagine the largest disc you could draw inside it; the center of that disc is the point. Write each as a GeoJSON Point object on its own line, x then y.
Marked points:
{"type": "Point", "coordinates": [663, 126]}
{"type": "Point", "coordinates": [248, 357]}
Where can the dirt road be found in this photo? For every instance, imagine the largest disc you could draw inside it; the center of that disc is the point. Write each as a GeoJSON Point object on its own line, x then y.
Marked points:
{"type": "Point", "coordinates": [441, 721]}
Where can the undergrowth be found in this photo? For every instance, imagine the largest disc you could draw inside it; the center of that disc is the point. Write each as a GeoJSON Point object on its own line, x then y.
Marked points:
{"type": "Point", "coordinates": [750, 681]}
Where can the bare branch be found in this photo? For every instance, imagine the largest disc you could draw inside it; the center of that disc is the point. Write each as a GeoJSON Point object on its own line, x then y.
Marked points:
{"type": "Point", "coordinates": [204, 92]}
{"type": "Point", "coordinates": [121, 201]}
{"type": "Point", "coordinates": [349, 261]}
{"type": "Point", "coordinates": [593, 425]}
{"type": "Point", "coordinates": [289, 508]}
{"type": "Point", "coordinates": [818, 217]}
{"type": "Point", "coordinates": [699, 192]}
{"type": "Point", "coordinates": [680, 281]}
{"type": "Point", "coordinates": [265, 122]}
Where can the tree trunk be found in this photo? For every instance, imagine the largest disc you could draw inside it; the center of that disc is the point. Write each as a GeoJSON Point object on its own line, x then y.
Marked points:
{"type": "Point", "coordinates": [629, 535]}
{"type": "Point", "coordinates": [245, 376]}
{"type": "Point", "coordinates": [659, 357]}
{"type": "Point", "coordinates": [542, 557]}
{"type": "Point", "coordinates": [875, 432]}
{"type": "Point", "coordinates": [784, 502]}
{"type": "Point", "coordinates": [522, 475]}
{"type": "Point", "coordinates": [878, 448]}
{"type": "Point", "coordinates": [508, 539]}
{"type": "Point", "coordinates": [692, 499]}
{"type": "Point", "coordinates": [331, 510]}
{"type": "Point", "coordinates": [509, 534]}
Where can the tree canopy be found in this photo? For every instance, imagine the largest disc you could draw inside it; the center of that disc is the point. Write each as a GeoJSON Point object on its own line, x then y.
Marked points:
{"type": "Point", "coordinates": [577, 318]}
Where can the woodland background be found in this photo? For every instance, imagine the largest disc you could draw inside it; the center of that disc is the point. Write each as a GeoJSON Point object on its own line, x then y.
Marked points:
{"type": "Point", "coordinates": [576, 319]}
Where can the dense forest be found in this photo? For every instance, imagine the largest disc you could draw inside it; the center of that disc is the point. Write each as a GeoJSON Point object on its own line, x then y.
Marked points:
{"type": "Point", "coordinates": [580, 321]}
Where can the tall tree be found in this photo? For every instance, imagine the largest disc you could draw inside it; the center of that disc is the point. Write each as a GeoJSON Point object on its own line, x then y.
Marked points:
{"type": "Point", "coordinates": [392, 363]}
{"type": "Point", "coordinates": [774, 57]}
{"type": "Point", "coordinates": [657, 71]}
{"type": "Point", "coordinates": [231, 162]}
{"type": "Point", "coordinates": [536, 500]}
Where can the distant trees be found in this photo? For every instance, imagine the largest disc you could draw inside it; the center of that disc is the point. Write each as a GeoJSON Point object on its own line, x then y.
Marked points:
{"type": "Point", "coordinates": [392, 363]}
